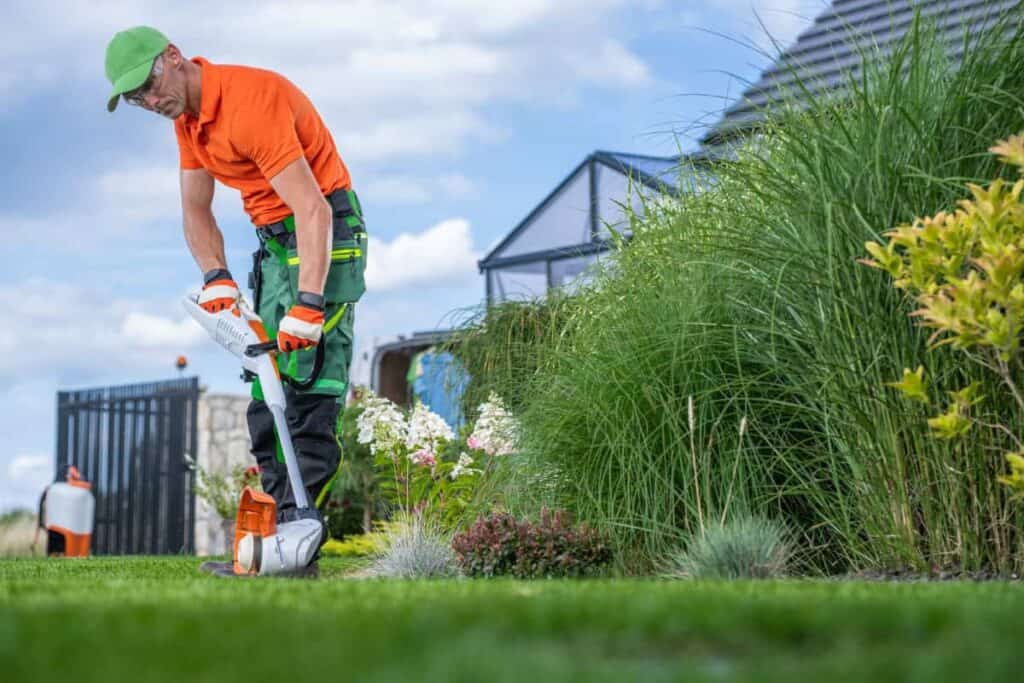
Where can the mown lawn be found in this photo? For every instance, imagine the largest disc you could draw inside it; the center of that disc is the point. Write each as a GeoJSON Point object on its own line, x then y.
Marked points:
{"type": "Point", "coordinates": [147, 619]}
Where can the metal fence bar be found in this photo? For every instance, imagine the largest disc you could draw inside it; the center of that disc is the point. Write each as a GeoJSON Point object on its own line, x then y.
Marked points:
{"type": "Point", "coordinates": [130, 442]}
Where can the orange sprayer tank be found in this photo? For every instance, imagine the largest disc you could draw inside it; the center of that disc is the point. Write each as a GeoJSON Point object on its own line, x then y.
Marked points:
{"type": "Point", "coordinates": [69, 514]}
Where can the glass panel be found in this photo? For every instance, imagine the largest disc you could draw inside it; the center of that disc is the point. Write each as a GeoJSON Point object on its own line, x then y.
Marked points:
{"type": "Point", "coordinates": [525, 281]}
{"type": "Point", "coordinates": [564, 222]}
{"type": "Point", "coordinates": [570, 273]}
{"type": "Point", "coordinates": [615, 190]}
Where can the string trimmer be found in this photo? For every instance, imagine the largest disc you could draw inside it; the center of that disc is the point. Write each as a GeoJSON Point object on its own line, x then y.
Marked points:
{"type": "Point", "coordinates": [262, 546]}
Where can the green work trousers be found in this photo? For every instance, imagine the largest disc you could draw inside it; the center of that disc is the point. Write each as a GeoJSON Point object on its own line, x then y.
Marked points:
{"type": "Point", "coordinates": [312, 414]}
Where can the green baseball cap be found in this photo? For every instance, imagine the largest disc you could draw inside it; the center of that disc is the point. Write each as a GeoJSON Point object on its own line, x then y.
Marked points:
{"type": "Point", "coordinates": [130, 56]}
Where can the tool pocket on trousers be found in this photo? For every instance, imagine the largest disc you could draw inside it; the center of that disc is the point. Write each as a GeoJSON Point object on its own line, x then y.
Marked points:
{"type": "Point", "coordinates": [346, 278]}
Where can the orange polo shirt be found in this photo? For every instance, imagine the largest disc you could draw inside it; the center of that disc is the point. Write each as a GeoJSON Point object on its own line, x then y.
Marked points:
{"type": "Point", "coordinates": [251, 124]}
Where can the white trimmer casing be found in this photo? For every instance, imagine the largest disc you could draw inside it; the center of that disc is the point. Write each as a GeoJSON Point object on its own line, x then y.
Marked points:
{"type": "Point", "coordinates": [292, 547]}
{"type": "Point", "coordinates": [293, 544]}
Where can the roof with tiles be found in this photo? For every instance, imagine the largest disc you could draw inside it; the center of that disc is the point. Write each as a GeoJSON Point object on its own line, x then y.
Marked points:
{"type": "Point", "coordinates": [828, 52]}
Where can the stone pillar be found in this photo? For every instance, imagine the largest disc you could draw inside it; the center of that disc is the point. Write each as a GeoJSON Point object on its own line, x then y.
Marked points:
{"type": "Point", "coordinates": [223, 444]}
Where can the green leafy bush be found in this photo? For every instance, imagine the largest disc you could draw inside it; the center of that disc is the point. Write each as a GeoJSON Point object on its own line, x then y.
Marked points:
{"type": "Point", "coordinates": [748, 547]}
{"type": "Point", "coordinates": [361, 545]}
{"type": "Point", "coordinates": [501, 545]}
{"type": "Point", "coordinates": [220, 490]}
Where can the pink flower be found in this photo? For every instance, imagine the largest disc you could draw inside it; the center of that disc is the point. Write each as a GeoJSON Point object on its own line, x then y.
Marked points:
{"type": "Point", "coordinates": [473, 442]}
{"type": "Point", "coordinates": [423, 457]}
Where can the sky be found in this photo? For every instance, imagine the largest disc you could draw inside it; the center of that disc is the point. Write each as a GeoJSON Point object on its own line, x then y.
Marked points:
{"type": "Point", "coordinates": [454, 117]}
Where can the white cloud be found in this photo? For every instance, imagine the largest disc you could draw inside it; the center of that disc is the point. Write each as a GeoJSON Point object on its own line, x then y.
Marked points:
{"type": "Point", "coordinates": [771, 25]}
{"type": "Point", "coordinates": [395, 190]}
{"type": "Point", "coordinates": [393, 78]}
{"type": "Point", "coordinates": [30, 469]}
{"type": "Point", "coordinates": [76, 327]}
{"type": "Point", "coordinates": [399, 189]}
{"type": "Point", "coordinates": [457, 186]}
{"type": "Point", "coordinates": [27, 474]}
{"type": "Point", "coordinates": [128, 202]}
{"type": "Point", "coordinates": [442, 255]}
{"type": "Point", "coordinates": [153, 331]}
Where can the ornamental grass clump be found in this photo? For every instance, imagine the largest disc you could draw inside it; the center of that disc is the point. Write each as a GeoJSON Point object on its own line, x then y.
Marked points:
{"type": "Point", "coordinates": [747, 296]}
{"type": "Point", "coordinates": [501, 545]}
{"type": "Point", "coordinates": [748, 547]}
{"type": "Point", "coordinates": [416, 549]}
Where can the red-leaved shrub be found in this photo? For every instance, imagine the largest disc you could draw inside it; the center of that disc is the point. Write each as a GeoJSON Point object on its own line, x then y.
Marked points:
{"type": "Point", "coordinates": [501, 545]}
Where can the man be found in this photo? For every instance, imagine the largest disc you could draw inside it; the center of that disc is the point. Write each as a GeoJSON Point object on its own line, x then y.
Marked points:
{"type": "Point", "coordinates": [255, 131]}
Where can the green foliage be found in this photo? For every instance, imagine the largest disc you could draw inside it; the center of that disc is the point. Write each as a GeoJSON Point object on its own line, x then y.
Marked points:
{"type": "Point", "coordinates": [965, 271]}
{"type": "Point", "coordinates": [221, 491]}
{"type": "Point", "coordinates": [497, 347]}
{"type": "Point", "coordinates": [746, 301]}
{"type": "Point", "coordinates": [366, 544]}
{"type": "Point", "coordinates": [1015, 479]}
{"type": "Point", "coordinates": [15, 516]}
{"type": "Point", "coordinates": [501, 545]}
{"type": "Point", "coordinates": [355, 501]}
{"type": "Point", "coordinates": [747, 547]}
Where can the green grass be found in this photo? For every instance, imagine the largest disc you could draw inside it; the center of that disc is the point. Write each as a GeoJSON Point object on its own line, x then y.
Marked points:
{"type": "Point", "coordinates": [148, 619]}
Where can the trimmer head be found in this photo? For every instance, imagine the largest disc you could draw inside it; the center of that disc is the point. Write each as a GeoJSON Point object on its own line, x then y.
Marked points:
{"type": "Point", "coordinates": [257, 517]}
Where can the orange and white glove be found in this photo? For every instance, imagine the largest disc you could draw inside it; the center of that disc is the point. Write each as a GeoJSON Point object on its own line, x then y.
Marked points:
{"type": "Point", "coordinates": [219, 291]}
{"type": "Point", "coordinates": [304, 324]}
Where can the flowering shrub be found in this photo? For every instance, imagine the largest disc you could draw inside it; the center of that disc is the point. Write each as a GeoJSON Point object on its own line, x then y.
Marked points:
{"type": "Point", "coordinates": [964, 269]}
{"type": "Point", "coordinates": [430, 471]}
{"type": "Point", "coordinates": [501, 545]}
{"type": "Point", "coordinates": [222, 491]}
{"type": "Point", "coordinates": [495, 432]}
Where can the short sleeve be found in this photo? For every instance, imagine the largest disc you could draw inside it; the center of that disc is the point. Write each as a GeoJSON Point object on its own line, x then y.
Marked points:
{"type": "Point", "coordinates": [265, 132]}
{"type": "Point", "coordinates": [186, 156]}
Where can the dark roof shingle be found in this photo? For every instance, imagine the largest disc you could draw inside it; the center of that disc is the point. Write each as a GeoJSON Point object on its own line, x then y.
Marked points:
{"type": "Point", "coordinates": [826, 53]}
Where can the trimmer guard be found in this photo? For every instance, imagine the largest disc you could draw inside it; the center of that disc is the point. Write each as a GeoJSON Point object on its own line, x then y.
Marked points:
{"type": "Point", "coordinates": [257, 515]}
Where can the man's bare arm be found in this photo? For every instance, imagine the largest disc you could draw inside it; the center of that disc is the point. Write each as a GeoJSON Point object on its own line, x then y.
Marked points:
{"type": "Point", "coordinates": [297, 187]}
{"type": "Point", "coordinates": [204, 238]}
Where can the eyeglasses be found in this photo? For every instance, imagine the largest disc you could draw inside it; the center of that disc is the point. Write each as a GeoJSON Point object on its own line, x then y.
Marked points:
{"type": "Point", "coordinates": [137, 96]}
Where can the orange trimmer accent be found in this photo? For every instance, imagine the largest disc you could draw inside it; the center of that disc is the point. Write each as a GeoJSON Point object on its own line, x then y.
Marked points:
{"type": "Point", "coordinates": [75, 479]}
{"type": "Point", "coordinates": [257, 515]}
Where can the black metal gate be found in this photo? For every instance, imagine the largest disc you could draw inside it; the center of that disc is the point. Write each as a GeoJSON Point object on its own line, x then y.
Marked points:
{"type": "Point", "coordinates": [130, 442]}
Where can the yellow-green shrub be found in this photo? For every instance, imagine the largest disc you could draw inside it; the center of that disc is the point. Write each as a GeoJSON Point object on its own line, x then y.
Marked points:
{"type": "Point", "coordinates": [964, 268]}
{"type": "Point", "coordinates": [362, 545]}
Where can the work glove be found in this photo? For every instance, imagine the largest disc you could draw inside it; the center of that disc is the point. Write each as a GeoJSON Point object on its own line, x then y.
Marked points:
{"type": "Point", "coordinates": [303, 325]}
{"type": "Point", "coordinates": [219, 291]}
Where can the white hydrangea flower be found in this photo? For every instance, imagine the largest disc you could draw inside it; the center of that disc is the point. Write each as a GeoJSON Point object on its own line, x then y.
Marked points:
{"type": "Point", "coordinates": [463, 467]}
{"type": "Point", "coordinates": [381, 425]}
{"type": "Point", "coordinates": [496, 430]}
{"type": "Point", "coordinates": [427, 430]}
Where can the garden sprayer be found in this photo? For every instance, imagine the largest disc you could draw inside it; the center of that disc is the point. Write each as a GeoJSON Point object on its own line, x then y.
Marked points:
{"type": "Point", "coordinates": [262, 546]}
